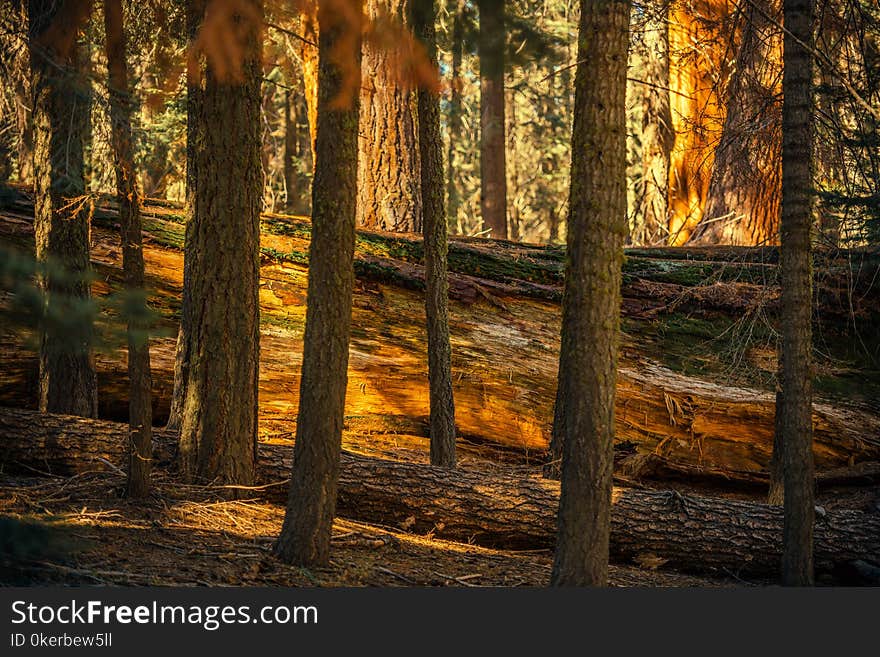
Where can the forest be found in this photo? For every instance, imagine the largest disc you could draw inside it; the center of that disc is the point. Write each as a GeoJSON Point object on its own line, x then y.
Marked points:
{"type": "Point", "coordinates": [449, 293]}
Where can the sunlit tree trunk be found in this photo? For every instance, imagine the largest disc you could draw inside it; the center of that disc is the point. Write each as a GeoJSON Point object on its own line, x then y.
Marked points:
{"type": "Point", "coordinates": [591, 302]}
{"type": "Point", "coordinates": [454, 127]}
{"type": "Point", "coordinates": [305, 534]}
{"type": "Point", "coordinates": [67, 382]}
{"type": "Point", "coordinates": [140, 419]}
{"type": "Point", "coordinates": [442, 420]}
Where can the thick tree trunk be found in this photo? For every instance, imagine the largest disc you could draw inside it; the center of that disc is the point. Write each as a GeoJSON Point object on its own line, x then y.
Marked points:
{"type": "Point", "coordinates": [305, 535]}
{"type": "Point", "coordinates": [499, 510]}
{"type": "Point", "coordinates": [67, 376]}
{"type": "Point", "coordinates": [442, 416]}
{"type": "Point", "coordinates": [796, 348]}
{"type": "Point", "coordinates": [742, 204]}
{"type": "Point", "coordinates": [388, 158]}
{"type": "Point", "coordinates": [140, 420]}
{"type": "Point", "coordinates": [591, 304]}
{"type": "Point", "coordinates": [219, 424]}
{"type": "Point", "coordinates": [491, 46]}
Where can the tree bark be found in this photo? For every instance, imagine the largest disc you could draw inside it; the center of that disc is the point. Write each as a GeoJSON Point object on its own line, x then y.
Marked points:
{"type": "Point", "coordinates": [491, 44]}
{"type": "Point", "coordinates": [742, 204]}
{"type": "Point", "coordinates": [140, 420]}
{"type": "Point", "coordinates": [442, 404]}
{"type": "Point", "coordinates": [692, 533]}
{"type": "Point", "coordinates": [67, 381]}
{"type": "Point", "coordinates": [305, 534]}
{"type": "Point", "coordinates": [455, 8]}
{"type": "Point", "coordinates": [796, 346]}
{"type": "Point", "coordinates": [591, 303]}
{"type": "Point", "coordinates": [388, 159]}
{"type": "Point", "coordinates": [219, 424]}
{"type": "Point", "coordinates": [308, 53]}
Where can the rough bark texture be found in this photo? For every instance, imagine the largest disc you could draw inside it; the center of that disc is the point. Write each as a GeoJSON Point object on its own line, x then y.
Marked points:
{"type": "Point", "coordinates": [388, 159]}
{"type": "Point", "coordinates": [194, 87]}
{"type": "Point", "coordinates": [305, 535]}
{"type": "Point", "coordinates": [442, 420]}
{"type": "Point", "coordinates": [219, 426]}
{"type": "Point", "coordinates": [742, 204]}
{"type": "Point", "coordinates": [591, 304]}
{"type": "Point", "coordinates": [796, 266]}
{"type": "Point", "coordinates": [140, 421]}
{"type": "Point", "coordinates": [491, 45]}
{"type": "Point", "coordinates": [67, 381]}
{"type": "Point", "coordinates": [498, 510]}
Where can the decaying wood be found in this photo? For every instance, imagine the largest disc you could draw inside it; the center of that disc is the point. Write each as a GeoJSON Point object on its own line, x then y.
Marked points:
{"type": "Point", "coordinates": [663, 527]}
{"type": "Point", "coordinates": [686, 311]}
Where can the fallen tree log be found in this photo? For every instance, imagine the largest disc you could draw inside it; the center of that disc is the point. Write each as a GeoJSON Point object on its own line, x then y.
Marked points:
{"type": "Point", "coordinates": [696, 354]}
{"type": "Point", "coordinates": [685, 532]}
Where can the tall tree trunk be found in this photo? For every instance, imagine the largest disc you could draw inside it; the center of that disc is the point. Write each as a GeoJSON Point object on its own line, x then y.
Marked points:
{"type": "Point", "coordinates": [195, 10]}
{"type": "Point", "coordinates": [17, 67]}
{"type": "Point", "coordinates": [305, 534]}
{"type": "Point", "coordinates": [742, 204]}
{"type": "Point", "coordinates": [453, 198]}
{"type": "Point", "coordinates": [493, 167]}
{"type": "Point", "coordinates": [388, 161]}
{"type": "Point", "coordinates": [293, 199]}
{"type": "Point", "coordinates": [591, 304]}
{"type": "Point", "coordinates": [67, 381]}
{"type": "Point", "coordinates": [442, 420]}
{"type": "Point", "coordinates": [219, 428]}
{"type": "Point", "coordinates": [796, 424]}
{"type": "Point", "coordinates": [140, 414]}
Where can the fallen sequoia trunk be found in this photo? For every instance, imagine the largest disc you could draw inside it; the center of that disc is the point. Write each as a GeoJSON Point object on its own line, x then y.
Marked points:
{"type": "Point", "coordinates": [686, 532]}
{"type": "Point", "coordinates": [696, 349]}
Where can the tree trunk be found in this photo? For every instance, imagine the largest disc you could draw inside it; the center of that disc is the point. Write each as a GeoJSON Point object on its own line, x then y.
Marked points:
{"type": "Point", "coordinates": [491, 45]}
{"type": "Point", "coordinates": [796, 346]}
{"type": "Point", "coordinates": [67, 381]}
{"type": "Point", "coordinates": [742, 204]}
{"type": "Point", "coordinates": [308, 53]}
{"type": "Point", "coordinates": [442, 417]}
{"type": "Point", "coordinates": [388, 159]}
{"type": "Point", "coordinates": [140, 421]}
{"type": "Point", "coordinates": [591, 304]}
{"type": "Point", "coordinates": [455, 8]}
{"type": "Point", "coordinates": [194, 88]}
{"type": "Point", "coordinates": [219, 427]}
{"type": "Point", "coordinates": [499, 510]}
{"type": "Point", "coordinates": [293, 202]}
{"type": "Point", "coordinates": [305, 535]}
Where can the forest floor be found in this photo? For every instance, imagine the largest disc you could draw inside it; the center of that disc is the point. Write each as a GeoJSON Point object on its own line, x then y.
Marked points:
{"type": "Point", "coordinates": [189, 536]}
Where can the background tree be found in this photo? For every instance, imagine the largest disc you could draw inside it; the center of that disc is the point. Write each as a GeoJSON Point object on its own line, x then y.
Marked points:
{"type": "Point", "coordinates": [388, 162]}
{"type": "Point", "coordinates": [140, 409]}
{"type": "Point", "coordinates": [795, 362]}
{"type": "Point", "coordinates": [219, 425]}
{"type": "Point", "coordinates": [591, 303]}
{"type": "Point", "coordinates": [435, 231]}
{"type": "Point", "coordinates": [67, 381]}
{"type": "Point", "coordinates": [305, 534]}
{"type": "Point", "coordinates": [493, 159]}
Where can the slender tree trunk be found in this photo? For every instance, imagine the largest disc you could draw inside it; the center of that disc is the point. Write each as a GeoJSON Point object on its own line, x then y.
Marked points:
{"type": "Point", "coordinates": [591, 303]}
{"type": "Point", "coordinates": [140, 419]}
{"type": "Point", "coordinates": [796, 425]}
{"type": "Point", "coordinates": [219, 428]}
{"type": "Point", "coordinates": [195, 10]}
{"type": "Point", "coordinates": [442, 419]}
{"type": "Point", "coordinates": [292, 201]}
{"type": "Point", "coordinates": [17, 66]}
{"type": "Point", "coordinates": [61, 215]}
{"type": "Point", "coordinates": [742, 204]}
{"type": "Point", "coordinates": [305, 534]}
{"type": "Point", "coordinates": [493, 168]}
{"type": "Point", "coordinates": [308, 20]}
{"type": "Point", "coordinates": [453, 197]}
{"type": "Point", "coordinates": [388, 161]}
